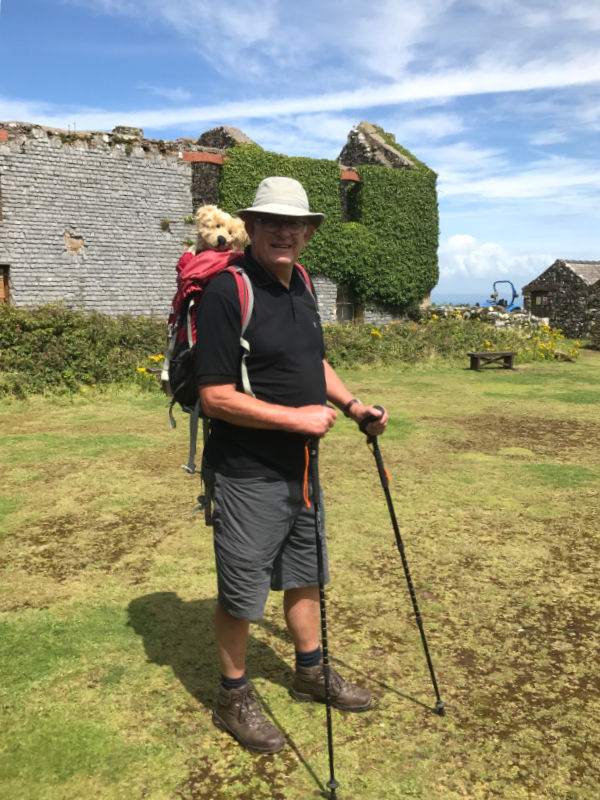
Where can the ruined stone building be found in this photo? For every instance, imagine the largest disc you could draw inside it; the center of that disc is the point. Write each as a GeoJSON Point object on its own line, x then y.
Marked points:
{"type": "Point", "coordinates": [98, 220]}
{"type": "Point", "coordinates": [568, 294]}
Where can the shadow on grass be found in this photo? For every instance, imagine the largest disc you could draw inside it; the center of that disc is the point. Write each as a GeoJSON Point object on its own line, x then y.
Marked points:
{"type": "Point", "coordinates": [368, 678]}
{"type": "Point", "coordinates": [180, 634]}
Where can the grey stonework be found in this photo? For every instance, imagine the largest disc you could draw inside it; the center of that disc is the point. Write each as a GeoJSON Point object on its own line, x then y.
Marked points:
{"type": "Point", "coordinates": [366, 145]}
{"type": "Point", "coordinates": [328, 298]}
{"type": "Point", "coordinates": [223, 137]}
{"type": "Point", "coordinates": [595, 332]}
{"type": "Point", "coordinates": [326, 291]}
{"type": "Point", "coordinates": [568, 294]}
{"type": "Point", "coordinates": [205, 185]}
{"type": "Point", "coordinates": [93, 222]}
{"type": "Point", "coordinates": [380, 316]}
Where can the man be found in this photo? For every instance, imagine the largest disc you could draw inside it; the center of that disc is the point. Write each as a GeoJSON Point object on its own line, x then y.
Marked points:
{"type": "Point", "coordinates": [264, 531]}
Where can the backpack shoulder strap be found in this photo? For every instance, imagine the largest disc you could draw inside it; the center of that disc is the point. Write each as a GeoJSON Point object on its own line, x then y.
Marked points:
{"type": "Point", "coordinates": [246, 296]}
{"type": "Point", "coordinates": [306, 278]}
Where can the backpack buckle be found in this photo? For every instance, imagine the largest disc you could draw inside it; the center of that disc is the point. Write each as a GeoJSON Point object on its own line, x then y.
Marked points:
{"type": "Point", "coordinates": [204, 504]}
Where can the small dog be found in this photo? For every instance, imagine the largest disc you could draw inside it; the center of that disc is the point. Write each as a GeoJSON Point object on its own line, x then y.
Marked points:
{"type": "Point", "coordinates": [218, 230]}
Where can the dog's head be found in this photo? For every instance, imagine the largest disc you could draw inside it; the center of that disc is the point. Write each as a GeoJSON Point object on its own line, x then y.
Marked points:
{"type": "Point", "coordinates": [218, 230]}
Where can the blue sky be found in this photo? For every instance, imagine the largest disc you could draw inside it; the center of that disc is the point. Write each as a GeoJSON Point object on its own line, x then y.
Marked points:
{"type": "Point", "coordinates": [500, 97]}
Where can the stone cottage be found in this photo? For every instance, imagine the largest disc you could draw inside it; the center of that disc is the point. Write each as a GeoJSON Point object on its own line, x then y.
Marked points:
{"type": "Point", "coordinates": [568, 294]}
{"type": "Point", "coordinates": [98, 220]}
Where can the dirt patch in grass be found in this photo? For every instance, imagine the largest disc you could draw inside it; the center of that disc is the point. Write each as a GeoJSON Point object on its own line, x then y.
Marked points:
{"type": "Point", "coordinates": [212, 779]}
{"type": "Point", "coordinates": [487, 433]}
{"type": "Point", "coordinates": [69, 544]}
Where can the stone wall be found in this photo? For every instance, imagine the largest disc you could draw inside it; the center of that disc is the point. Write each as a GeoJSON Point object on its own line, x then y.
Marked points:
{"type": "Point", "coordinates": [327, 299]}
{"type": "Point", "coordinates": [326, 291]}
{"type": "Point", "coordinates": [366, 145]}
{"type": "Point", "coordinates": [379, 316]}
{"type": "Point", "coordinates": [94, 220]}
{"type": "Point", "coordinates": [595, 332]}
{"type": "Point", "coordinates": [572, 302]}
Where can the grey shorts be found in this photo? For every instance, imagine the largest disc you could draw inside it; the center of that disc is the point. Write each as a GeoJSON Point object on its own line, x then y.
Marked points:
{"type": "Point", "coordinates": [264, 538]}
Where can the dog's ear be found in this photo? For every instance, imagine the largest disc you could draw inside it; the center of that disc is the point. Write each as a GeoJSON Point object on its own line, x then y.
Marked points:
{"type": "Point", "coordinates": [204, 215]}
{"type": "Point", "coordinates": [239, 234]}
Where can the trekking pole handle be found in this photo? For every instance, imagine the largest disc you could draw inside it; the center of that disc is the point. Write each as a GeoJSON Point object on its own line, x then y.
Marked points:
{"type": "Point", "coordinates": [370, 418]}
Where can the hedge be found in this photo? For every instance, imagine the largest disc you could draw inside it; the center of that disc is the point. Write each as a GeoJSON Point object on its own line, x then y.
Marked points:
{"type": "Point", "coordinates": [53, 348]}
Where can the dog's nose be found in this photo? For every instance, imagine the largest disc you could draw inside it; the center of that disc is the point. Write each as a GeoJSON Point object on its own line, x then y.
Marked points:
{"type": "Point", "coordinates": [221, 240]}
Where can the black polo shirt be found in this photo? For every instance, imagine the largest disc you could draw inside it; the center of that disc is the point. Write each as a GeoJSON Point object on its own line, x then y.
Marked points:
{"type": "Point", "coordinates": [285, 367]}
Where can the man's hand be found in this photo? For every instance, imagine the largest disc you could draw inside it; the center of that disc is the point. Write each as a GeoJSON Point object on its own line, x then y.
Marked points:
{"type": "Point", "coordinates": [358, 412]}
{"type": "Point", "coordinates": [314, 420]}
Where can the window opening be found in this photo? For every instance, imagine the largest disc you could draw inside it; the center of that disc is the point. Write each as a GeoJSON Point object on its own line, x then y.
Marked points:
{"type": "Point", "coordinates": [4, 283]}
{"type": "Point", "coordinates": [541, 304]}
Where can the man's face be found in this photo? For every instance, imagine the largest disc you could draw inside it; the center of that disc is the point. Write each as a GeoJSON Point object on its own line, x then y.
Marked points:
{"type": "Point", "coordinates": [277, 241]}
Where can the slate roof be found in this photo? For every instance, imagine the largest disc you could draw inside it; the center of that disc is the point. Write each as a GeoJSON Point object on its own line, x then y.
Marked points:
{"type": "Point", "coordinates": [588, 271]}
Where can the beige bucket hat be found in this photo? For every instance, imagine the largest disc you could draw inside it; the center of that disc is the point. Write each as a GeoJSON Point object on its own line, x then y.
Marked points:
{"type": "Point", "coordinates": [284, 197]}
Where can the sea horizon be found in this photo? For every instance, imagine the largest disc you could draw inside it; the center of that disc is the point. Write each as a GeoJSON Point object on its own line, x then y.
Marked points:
{"type": "Point", "coordinates": [442, 298]}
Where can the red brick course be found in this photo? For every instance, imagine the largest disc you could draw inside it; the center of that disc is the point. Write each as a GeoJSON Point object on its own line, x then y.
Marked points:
{"type": "Point", "coordinates": [209, 158]}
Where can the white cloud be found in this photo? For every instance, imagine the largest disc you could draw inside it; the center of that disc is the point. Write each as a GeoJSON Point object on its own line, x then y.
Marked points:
{"type": "Point", "coordinates": [549, 137]}
{"type": "Point", "coordinates": [385, 37]}
{"type": "Point", "coordinates": [313, 135]}
{"type": "Point", "coordinates": [463, 258]}
{"type": "Point", "coordinates": [429, 126]}
{"type": "Point", "coordinates": [462, 161]}
{"type": "Point", "coordinates": [590, 114]}
{"type": "Point", "coordinates": [545, 180]}
{"type": "Point", "coordinates": [587, 13]}
{"type": "Point", "coordinates": [174, 94]}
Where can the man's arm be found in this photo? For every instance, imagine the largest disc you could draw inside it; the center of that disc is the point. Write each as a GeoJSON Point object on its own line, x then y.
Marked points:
{"type": "Point", "coordinates": [339, 395]}
{"type": "Point", "coordinates": [223, 401]}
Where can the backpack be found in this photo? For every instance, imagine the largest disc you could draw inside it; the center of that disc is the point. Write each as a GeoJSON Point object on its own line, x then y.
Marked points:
{"type": "Point", "coordinates": [195, 272]}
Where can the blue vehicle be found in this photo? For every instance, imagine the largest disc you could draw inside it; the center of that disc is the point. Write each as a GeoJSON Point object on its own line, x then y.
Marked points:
{"type": "Point", "coordinates": [496, 301]}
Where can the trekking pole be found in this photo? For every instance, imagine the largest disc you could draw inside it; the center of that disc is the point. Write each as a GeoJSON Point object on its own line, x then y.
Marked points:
{"type": "Point", "coordinates": [385, 483]}
{"type": "Point", "coordinates": [313, 450]}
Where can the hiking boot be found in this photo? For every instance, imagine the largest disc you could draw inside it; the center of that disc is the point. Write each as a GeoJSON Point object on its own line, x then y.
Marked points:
{"type": "Point", "coordinates": [237, 712]}
{"type": "Point", "coordinates": [309, 684]}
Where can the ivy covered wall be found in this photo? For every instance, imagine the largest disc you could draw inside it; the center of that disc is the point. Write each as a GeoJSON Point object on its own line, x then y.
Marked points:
{"type": "Point", "coordinates": [387, 250]}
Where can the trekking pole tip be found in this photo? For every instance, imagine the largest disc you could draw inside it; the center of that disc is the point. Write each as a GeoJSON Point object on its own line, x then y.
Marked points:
{"type": "Point", "coordinates": [332, 785]}
{"type": "Point", "coordinates": [440, 708]}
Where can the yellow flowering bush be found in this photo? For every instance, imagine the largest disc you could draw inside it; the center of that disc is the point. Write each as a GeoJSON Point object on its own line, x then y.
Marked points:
{"type": "Point", "coordinates": [147, 373]}
{"type": "Point", "coordinates": [448, 337]}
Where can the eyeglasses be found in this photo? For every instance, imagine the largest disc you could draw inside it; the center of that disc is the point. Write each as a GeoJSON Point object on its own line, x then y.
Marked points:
{"type": "Point", "coordinates": [274, 224]}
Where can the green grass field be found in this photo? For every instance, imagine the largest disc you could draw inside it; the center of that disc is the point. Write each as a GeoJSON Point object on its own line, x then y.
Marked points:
{"type": "Point", "coordinates": [108, 590]}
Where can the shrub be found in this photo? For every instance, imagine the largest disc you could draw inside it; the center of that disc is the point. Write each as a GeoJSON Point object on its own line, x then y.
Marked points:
{"type": "Point", "coordinates": [53, 348]}
{"type": "Point", "coordinates": [439, 337]}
